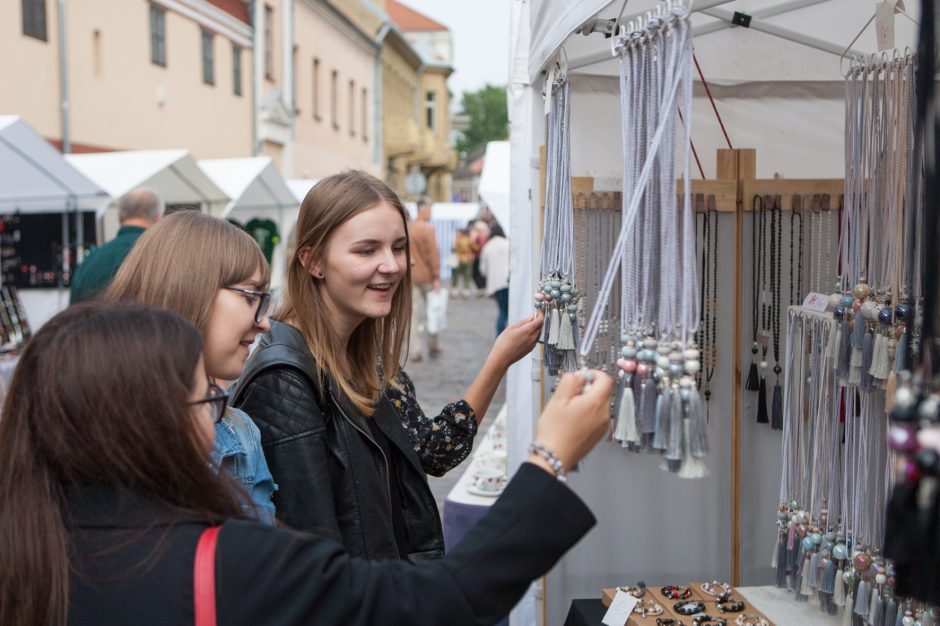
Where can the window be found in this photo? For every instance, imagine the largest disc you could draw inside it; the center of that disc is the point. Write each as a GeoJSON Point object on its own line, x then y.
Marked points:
{"type": "Point", "coordinates": [157, 35]}
{"type": "Point", "coordinates": [430, 109]}
{"type": "Point", "coordinates": [316, 89]}
{"type": "Point", "coordinates": [269, 43]}
{"type": "Point", "coordinates": [352, 108]}
{"type": "Point", "coordinates": [208, 59]}
{"type": "Point", "coordinates": [34, 19]}
{"type": "Point", "coordinates": [334, 97]}
{"type": "Point", "coordinates": [365, 114]}
{"type": "Point", "coordinates": [236, 70]}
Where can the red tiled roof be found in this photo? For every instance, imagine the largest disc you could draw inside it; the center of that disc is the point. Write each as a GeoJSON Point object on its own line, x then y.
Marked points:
{"type": "Point", "coordinates": [407, 19]}
{"type": "Point", "coordinates": [238, 8]}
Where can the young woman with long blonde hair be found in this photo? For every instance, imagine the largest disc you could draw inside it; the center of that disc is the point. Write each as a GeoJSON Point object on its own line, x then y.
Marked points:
{"type": "Point", "coordinates": [345, 438]}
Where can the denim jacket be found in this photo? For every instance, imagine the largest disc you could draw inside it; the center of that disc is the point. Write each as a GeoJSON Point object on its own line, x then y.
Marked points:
{"type": "Point", "coordinates": [237, 450]}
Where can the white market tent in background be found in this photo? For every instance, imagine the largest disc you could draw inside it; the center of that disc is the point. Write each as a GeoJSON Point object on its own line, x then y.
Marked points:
{"type": "Point", "coordinates": [779, 88]}
{"type": "Point", "coordinates": [172, 173]}
{"type": "Point", "coordinates": [301, 186]}
{"type": "Point", "coordinates": [494, 181]}
{"type": "Point", "coordinates": [34, 178]}
{"type": "Point", "coordinates": [257, 191]}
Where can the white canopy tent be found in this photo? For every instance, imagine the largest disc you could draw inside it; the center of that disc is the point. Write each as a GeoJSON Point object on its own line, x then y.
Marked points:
{"type": "Point", "coordinates": [257, 191]}
{"type": "Point", "coordinates": [779, 89]}
{"type": "Point", "coordinates": [34, 178]}
{"type": "Point", "coordinates": [494, 181]}
{"type": "Point", "coordinates": [172, 173]}
{"type": "Point", "coordinates": [301, 186]}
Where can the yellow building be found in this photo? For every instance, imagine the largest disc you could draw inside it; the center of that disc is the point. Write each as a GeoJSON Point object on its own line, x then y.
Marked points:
{"type": "Point", "coordinates": [415, 56]}
{"type": "Point", "coordinates": [136, 74]}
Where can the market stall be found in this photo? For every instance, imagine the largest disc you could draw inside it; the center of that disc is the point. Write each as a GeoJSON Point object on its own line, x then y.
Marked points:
{"type": "Point", "coordinates": [778, 120]}
{"type": "Point", "coordinates": [171, 173]}
{"type": "Point", "coordinates": [47, 221]}
{"type": "Point", "coordinates": [261, 202]}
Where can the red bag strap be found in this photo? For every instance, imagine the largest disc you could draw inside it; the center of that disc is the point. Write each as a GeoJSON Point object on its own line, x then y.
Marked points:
{"type": "Point", "coordinates": [204, 577]}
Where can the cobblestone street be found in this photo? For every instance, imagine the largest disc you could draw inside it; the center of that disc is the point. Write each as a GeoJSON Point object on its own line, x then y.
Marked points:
{"type": "Point", "coordinates": [471, 329]}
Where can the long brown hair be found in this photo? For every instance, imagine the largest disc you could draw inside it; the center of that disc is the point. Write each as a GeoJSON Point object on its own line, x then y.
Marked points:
{"type": "Point", "coordinates": [182, 261]}
{"type": "Point", "coordinates": [326, 207]}
{"type": "Point", "coordinates": [100, 396]}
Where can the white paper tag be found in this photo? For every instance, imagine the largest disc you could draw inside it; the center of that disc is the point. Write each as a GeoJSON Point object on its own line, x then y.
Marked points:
{"type": "Point", "coordinates": [620, 609]}
{"type": "Point", "coordinates": [816, 302]}
{"type": "Point", "coordinates": [884, 24]}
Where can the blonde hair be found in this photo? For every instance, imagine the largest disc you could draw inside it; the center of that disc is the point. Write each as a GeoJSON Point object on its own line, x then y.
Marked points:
{"type": "Point", "coordinates": [182, 261]}
{"type": "Point", "coordinates": [326, 207]}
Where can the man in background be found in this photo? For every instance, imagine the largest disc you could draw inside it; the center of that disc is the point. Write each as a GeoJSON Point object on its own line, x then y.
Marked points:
{"type": "Point", "coordinates": [425, 277]}
{"type": "Point", "coordinates": [138, 209]}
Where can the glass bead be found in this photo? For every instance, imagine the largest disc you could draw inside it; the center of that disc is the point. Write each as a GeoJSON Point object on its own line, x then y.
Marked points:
{"type": "Point", "coordinates": [884, 315]}
{"type": "Point", "coordinates": [838, 312]}
{"type": "Point", "coordinates": [692, 367]}
{"type": "Point", "coordinates": [555, 293]}
{"type": "Point", "coordinates": [674, 369]}
{"type": "Point", "coordinates": [817, 538]}
{"type": "Point", "coordinates": [847, 301]}
{"type": "Point", "coordinates": [628, 352]}
{"type": "Point", "coordinates": [566, 297]}
{"type": "Point", "coordinates": [862, 561]}
{"type": "Point", "coordinates": [565, 288]}
{"type": "Point", "coordinates": [903, 312]}
{"type": "Point", "coordinates": [861, 290]}
{"type": "Point", "coordinates": [807, 543]}
{"type": "Point", "coordinates": [834, 301]}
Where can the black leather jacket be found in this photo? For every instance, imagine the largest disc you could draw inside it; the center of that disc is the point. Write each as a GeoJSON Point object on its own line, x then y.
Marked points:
{"type": "Point", "coordinates": [332, 476]}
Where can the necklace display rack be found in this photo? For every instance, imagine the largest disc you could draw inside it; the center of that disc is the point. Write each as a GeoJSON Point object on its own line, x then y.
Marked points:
{"type": "Point", "coordinates": [14, 327]}
{"type": "Point", "coordinates": [840, 457]}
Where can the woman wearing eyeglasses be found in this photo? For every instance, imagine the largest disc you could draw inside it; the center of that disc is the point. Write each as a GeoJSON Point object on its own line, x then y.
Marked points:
{"type": "Point", "coordinates": [107, 501]}
{"type": "Point", "coordinates": [215, 276]}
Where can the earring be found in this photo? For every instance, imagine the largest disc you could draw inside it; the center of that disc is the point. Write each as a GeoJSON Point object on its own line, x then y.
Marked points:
{"type": "Point", "coordinates": [321, 274]}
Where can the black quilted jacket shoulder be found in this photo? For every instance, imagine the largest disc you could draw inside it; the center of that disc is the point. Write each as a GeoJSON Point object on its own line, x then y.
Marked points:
{"type": "Point", "coordinates": [332, 477]}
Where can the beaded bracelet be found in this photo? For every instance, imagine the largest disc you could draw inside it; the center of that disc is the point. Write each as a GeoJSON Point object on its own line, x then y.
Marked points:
{"type": "Point", "coordinates": [689, 607]}
{"type": "Point", "coordinates": [715, 588]}
{"type": "Point", "coordinates": [730, 605]}
{"type": "Point", "coordinates": [668, 621]}
{"type": "Point", "coordinates": [637, 592]}
{"type": "Point", "coordinates": [551, 458]}
{"type": "Point", "coordinates": [751, 620]}
{"type": "Point", "coordinates": [708, 620]}
{"type": "Point", "coordinates": [676, 592]}
{"type": "Point", "coordinates": [647, 608]}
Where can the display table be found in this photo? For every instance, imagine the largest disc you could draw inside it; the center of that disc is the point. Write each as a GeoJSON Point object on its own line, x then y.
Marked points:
{"type": "Point", "coordinates": [776, 604]}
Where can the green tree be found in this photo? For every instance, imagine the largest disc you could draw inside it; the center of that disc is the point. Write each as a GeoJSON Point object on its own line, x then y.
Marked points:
{"type": "Point", "coordinates": [487, 118]}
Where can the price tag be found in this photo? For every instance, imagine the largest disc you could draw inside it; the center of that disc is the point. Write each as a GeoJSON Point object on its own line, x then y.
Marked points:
{"type": "Point", "coordinates": [816, 302]}
{"type": "Point", "coordinates": [620, 609]}
{"type": "Point", "coordinates": [884, 24]}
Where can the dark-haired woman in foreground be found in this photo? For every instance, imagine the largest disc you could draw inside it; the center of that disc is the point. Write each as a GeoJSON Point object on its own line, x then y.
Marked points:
{"type": "Point", "coordinates": [106, 491]}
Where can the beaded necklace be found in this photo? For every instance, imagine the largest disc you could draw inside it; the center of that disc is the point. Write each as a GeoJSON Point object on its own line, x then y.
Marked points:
{"type": "Point", "coordinates": [557, 294]}
{"type": "Point", "coordinates": [776, 258]}
{"type": "Point", "coordinates": [708, 322]}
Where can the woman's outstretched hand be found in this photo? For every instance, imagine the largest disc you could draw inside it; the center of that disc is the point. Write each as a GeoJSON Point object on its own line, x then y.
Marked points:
{"type": "Point", "coordinates": [517, 340]}
{"type": "Point", "coordinates": [574, 420]}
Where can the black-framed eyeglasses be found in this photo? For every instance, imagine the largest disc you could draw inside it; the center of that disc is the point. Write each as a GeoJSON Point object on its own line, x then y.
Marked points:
{"type": "Point", "coordinates": [217, 398]}
{"type": "Point", "coordinates": [264, 301]}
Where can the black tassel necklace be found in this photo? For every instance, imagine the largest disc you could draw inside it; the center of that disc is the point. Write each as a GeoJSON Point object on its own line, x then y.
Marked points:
{"type": "Point", "coordinates": [765, 266]}
{"type": "Point", "coordinates": [707, 338]}
{"type": "Point", "coordinates": [757, 244]}
{"type": "Point", "coordinates": [776, 261]}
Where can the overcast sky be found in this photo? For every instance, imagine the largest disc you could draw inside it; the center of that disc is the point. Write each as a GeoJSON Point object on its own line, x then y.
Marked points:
{"type": "Point", "coordinates": [480, 29]}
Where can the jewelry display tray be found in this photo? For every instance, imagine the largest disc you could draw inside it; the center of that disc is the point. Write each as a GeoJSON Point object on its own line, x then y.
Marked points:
{"type": "Point", "coordinates": [653, 592]}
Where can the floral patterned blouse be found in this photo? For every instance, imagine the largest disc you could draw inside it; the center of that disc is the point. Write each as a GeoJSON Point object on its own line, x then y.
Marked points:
{"type": "Point", "coordinates": [442, 441]}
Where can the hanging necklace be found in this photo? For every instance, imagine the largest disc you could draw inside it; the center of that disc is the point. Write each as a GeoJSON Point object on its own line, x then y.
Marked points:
{"type": "Point", "coordinates": [757, 244]}
{"type": "Point", "coordinates": [796, 282]}
{"type": "Point", "coordinates": [708, 322]}
{"type": "Point", "coordinates": [556, 293]}
{"type": "Point", "coordinates": [776, 258]}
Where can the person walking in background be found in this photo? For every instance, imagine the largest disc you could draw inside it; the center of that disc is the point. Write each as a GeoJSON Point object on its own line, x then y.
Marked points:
{"type": "Point", "coordinates": [425, 277]}
{"type": "Point", "coordinates": [494, 265]}
{"type": "Point", "coordinates": [479, 234]}
{"type": "Point", "coordinates": [465, 252]}
{"type": "Point", "coordinates": [138, 210]}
